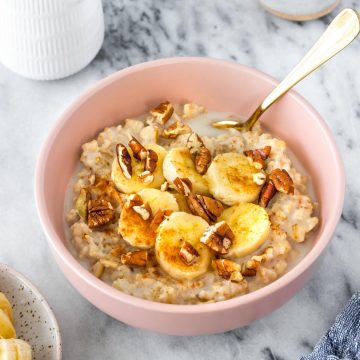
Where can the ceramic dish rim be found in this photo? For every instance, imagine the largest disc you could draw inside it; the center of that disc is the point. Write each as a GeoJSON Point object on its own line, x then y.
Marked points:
{"type": "Point", "coordinates": [63, 252]}
{"type": "Point", "coordinates": [24, 280]}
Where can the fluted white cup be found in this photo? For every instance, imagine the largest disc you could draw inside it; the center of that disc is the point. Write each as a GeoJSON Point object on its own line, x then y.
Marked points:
{"type": "Point", "coordinates": [49, 39]}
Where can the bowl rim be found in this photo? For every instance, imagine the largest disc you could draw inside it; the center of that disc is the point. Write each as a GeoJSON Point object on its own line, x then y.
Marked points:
{"type": "Point", "coordinates": [24, 280]}
{"type": "Point", "coordinates": [61, 250]}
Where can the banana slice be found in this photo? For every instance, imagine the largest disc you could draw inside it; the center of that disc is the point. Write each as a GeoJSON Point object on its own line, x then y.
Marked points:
{"type": "Point", "coordinates": [232, 178]}
{"type": "Point", "coordinates": [179, 163]}
{"type": "Point", "coordinates": [7, 330]}
{"type": "Point", "coordinates": [135, 183]}
{"type": "Point", "coordinates": [6, 306]}
{"type": "Point", "coordinates": [159, 200]}
{"type": "Point", "coordinates": [251, 226]}
{"type": "Point", "coordinates": [180, 228]}
{"type": "Point", "coordinates": [134, 228]}
{"type": "Point", "coordinates": [14, 349]}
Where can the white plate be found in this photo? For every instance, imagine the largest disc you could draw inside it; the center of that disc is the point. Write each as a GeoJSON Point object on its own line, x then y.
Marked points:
{"type": "Point", "coordinates": [34, 320]}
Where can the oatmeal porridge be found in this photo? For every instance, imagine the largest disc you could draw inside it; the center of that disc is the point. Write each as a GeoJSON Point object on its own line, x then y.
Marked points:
{"type": "Point", "coordinates": [166, 214]}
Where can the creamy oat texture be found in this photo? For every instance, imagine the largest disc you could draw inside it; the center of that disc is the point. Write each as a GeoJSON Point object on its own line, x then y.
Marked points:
{"type": "Point", "coordinates": [291, 217]}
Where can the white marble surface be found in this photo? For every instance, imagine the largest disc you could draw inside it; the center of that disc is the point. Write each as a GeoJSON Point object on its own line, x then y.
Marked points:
{"type": "Point", "coordinates": [136, 32]}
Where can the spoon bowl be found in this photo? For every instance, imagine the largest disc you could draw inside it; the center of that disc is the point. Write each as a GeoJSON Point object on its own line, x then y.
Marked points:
{"type": "Point", "coordinates": [339, 34]}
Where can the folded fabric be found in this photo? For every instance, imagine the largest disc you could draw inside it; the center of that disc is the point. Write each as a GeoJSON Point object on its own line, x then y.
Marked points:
{"type": "Point", "coordinates": [342, 341]}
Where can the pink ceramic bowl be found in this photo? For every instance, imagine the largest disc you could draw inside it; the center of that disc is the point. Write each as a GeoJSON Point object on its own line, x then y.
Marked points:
{"type": "Point", "coordinates": [219, 85]}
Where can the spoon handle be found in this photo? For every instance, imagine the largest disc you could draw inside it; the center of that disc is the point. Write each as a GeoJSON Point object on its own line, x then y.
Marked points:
{"type": "Point", "coordinates": [340, 33]}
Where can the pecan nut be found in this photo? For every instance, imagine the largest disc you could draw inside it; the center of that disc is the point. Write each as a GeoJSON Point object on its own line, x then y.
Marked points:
{"type": "Point", "coordinates": [201, 154]}
{"type": "Point", "coordinates": [188, 254]}
{"type": "Point", "coordinates": [282, 181]}
{"type": "Point", "coordinates": [218, 237]}
{"type": "Point", "coordinates": [124, 160]}
{"type": "Point", "coordinates": [146, 177]}
{"type": "Point", "coordinates": [139, 152]}
{"type": "Point", "coordinates": [151, 160]}
{"type": "Point", "coordinates": [183, 185]}
{"type": "Point", "coordinates": [251, 267]}
{"type": "Point", "coordinates": [162, 113]}
{"type": "Point", "coordinates": [136, 258]}
{"type": "Point", "coordinates": [196, 207]}
{"type": "Point", "coordinates": [100, 212]}
{"type": "Point", "coordinates": [207, 208]}
{"type": "Point", "coordinates": [227, 269]}
{"type": "Point", "coordinates": [176, 129]}
{"type": "Point", "coordinates": [143, 210]}
{"type": "Point", "coordinates": [136, 203]}
{"type": "Point", "coordinates": [267, 193]}
{"type": "Point", "coordinates": [259, 155]}
{"type": "Point", "coordinates": [134, 200]}
{"type": "Point", "coordinates": [194, 143]}
{"type": "Point", "coordinates": [159, 218]}
{"type": "Point", "coordinates": [202, 160]}
{"type": "Point", "coordinates": [259, 178]}
{"type": "Point", "coordinates": [212, 207]}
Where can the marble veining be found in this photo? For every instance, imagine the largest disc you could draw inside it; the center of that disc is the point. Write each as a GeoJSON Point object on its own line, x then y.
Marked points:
{"type": "Point", "coordinates": [137, 31]}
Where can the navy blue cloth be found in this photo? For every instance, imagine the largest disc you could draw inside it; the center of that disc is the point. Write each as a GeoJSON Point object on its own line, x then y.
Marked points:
{"type": "Point", "coordinates": [342, 341]}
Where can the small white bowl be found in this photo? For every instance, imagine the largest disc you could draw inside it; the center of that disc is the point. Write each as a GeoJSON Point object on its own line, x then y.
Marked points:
{"type": "Point", "coordinates": [34, 320]}
{"type": "Point", "coordinates": [300, 10]}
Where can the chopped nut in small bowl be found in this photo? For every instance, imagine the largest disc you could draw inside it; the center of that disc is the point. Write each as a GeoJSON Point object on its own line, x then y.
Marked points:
{"type": "Point", "coordinates": [172, 225]}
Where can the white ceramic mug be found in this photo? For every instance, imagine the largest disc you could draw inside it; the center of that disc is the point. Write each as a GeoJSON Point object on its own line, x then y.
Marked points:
{"type": "Point", "coordinates": [49, 39]}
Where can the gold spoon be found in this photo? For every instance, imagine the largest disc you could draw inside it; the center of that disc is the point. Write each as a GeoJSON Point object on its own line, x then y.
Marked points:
{"type": "Point", "coordinates": [340, 33]}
